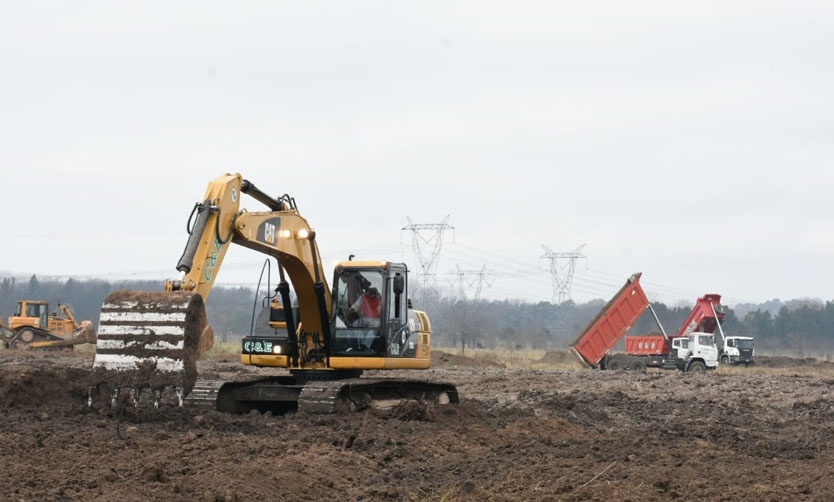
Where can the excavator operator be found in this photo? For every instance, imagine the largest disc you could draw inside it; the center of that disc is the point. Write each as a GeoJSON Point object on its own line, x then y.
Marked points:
{"type": "Point", "coordinates": [369, 308]}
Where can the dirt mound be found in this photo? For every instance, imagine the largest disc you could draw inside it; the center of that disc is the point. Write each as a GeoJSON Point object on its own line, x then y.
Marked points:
{"type": "Point", "coordinates": [559, 358]}
{"type": "Point", "coordinates": [441, 359]}
{"type": "Point", "coordinates": [791, 362]}
{"type": "Point", "coordinates": [28, 386]}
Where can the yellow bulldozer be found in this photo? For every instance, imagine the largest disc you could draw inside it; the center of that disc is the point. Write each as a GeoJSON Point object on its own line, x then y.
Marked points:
{"type": "Point", "coordinates": [32, 326]}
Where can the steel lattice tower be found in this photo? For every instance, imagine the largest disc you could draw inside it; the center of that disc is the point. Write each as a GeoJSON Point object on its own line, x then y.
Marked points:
{"type": "Point", "coordinates": [481, 278]}
{"type": "Point", "coordinates": [561, 267]}
{"type": "Point", "coordinates": [427, 240]}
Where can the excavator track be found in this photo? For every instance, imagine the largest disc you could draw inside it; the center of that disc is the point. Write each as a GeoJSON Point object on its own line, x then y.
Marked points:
{"type": "Point", "coordinates": [204, 393]}
{"type": "Point", "coordinates": [358, 394]}
{"type": "Point", "coordinates": [287, 394]}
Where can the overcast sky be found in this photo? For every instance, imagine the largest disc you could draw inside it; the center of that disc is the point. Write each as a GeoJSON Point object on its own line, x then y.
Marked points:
{"type": "Point", "coordinates": [690, 141]}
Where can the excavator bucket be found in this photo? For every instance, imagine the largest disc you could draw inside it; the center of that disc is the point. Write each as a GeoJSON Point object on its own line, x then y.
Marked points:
{"type": "Point", "coordinates": [151, 340]}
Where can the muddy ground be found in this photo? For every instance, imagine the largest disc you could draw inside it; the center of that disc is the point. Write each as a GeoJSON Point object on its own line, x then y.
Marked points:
{"type": "Point", "coordinates": [516, 435]}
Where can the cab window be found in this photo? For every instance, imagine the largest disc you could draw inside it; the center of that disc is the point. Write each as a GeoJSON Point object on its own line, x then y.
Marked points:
{"type": "Point", "coordinates": [359, 299]}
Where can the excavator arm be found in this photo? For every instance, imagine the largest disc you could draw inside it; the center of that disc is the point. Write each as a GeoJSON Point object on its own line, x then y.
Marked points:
{"type": "Point", "coordinates": [281, 233]}
{"type": "Point", "coordinates": [210, 230]}
{"type": "Point", "coordinates": [164, 333]}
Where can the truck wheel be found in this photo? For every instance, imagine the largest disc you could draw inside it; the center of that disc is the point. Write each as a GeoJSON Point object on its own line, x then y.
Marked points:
{"type": "Point", "coordinates": [615, 364]}
{"type": "Point", "coordinates": [638, 366]}
{"type": "Point", "coordinates": [697, 367]}
{"type": "Point", "coordinates": [725, 360]}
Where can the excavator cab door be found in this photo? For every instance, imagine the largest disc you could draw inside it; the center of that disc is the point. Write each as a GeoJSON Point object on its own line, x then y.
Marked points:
{"type": "Point", "coordinates": [400, 342]}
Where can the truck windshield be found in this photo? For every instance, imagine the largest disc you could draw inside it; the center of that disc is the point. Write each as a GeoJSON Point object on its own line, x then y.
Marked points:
{"type": "Point", "coordinates": [744, 344]}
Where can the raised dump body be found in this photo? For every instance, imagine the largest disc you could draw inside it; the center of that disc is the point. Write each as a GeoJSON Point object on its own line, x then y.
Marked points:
{"type": "Point", "coordinates": [611, 324]}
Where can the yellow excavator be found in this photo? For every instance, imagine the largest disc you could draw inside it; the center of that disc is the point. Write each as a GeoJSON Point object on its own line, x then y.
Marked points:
{"type": "Point", "coordinates": [152, 340]}
{"type": "Point", "coordinates": [32, 326]}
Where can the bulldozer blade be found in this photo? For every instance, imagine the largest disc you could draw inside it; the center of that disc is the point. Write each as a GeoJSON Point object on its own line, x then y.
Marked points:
{"type": "Point", "coordinates": [85, 332]}
{"type": "Point", "coordinates": [150, 339]}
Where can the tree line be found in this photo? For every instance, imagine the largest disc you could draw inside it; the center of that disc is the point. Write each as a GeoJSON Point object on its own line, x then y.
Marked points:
{"type": "Point", "coordinates": [796, 327]}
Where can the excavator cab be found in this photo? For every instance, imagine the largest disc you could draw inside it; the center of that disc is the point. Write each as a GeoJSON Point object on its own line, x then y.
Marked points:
{"type": "Point", "coordinates": [370, 315]}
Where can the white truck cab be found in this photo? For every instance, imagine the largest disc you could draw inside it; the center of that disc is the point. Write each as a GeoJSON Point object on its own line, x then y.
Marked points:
{"type": "Point", "coordinates": [696, 352]}
{"type": "Point", "coordinates": [738, 350]}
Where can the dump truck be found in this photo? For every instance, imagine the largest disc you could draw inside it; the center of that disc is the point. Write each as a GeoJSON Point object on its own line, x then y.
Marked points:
{"type": "Point", "coordinates": [150, 340]}
{"type": "Point", "coordinates": [693, 348]}
{"type": "Point", "coordinates": [34, 326]}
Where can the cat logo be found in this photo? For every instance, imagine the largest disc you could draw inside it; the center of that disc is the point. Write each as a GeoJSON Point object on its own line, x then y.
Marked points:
{"type": "Point", "coordinates": [268, 231]}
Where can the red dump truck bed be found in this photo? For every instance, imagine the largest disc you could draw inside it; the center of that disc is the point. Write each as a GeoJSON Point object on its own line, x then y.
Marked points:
{"type": "Point", "coordinates": [612, 322]}
{"type": "Point", "coordinates": [647, 345]}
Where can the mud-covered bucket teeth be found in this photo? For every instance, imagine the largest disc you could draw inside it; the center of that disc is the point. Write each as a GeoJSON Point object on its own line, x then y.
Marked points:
{"type": "Point", "coordinates": [150, 339]}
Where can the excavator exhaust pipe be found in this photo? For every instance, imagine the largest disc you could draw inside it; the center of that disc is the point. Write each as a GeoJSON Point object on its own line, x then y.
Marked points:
{"type": "Point", "coordinates": [151, 340]}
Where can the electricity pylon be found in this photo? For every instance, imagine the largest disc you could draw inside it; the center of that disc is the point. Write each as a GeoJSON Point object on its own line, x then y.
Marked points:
{"type": "Point", "coordinates": [561, 267]}
{"type": "Point", "coordinates": [427, 240]}
{"type": "Point", "coordinates": [463, 278]}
